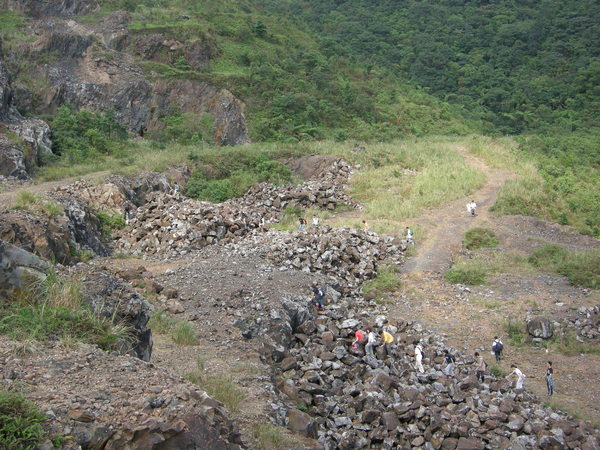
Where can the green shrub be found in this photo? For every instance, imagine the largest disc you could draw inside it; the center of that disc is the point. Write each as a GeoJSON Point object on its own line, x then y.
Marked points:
{"type": "Point", "coordinates": [223, 389]}
{"type": "Point", "coordinates": [109, 222]}
{"type": "Point", "coordinates": [498, 372]}
{"type": "Point", "coordinates": [386, 281]}
{"type": "Point", "coordinates": [20, 422]}
{"type": "Point", "coordinates": [466, 273]}
{"type": "Point", "coordinates": [515, 330]}
{"type": "Point", "coordinates": [480, 237]}
{"type": "Point", "coordinates": [79, 136]}
{"type": "Point", "coordinates": [567, 344]}
{"type": "Point", "coordinates": [582, 268]}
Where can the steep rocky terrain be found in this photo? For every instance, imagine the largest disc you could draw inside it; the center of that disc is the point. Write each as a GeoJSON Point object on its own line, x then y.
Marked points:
{"type": "Point", "coordinates": [93, 66]}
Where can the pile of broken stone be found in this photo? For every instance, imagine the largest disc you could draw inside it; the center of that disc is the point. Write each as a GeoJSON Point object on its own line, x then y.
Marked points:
{"type": "Point", "coordinates": [332, 392]}
{"type": "Point", "coordinates": [170, 225]}
{"type": "Point", "coordinates": [349, 256]}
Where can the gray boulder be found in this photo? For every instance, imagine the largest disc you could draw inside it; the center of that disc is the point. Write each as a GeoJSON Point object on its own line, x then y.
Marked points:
{"type": "Point", "coordinates": [17, 265]}
{"type": "Point", "coordinates": [540, 327]}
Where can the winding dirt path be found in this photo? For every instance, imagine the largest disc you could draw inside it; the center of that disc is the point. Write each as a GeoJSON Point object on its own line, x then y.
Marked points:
{"type": "Point", "coordinates": [443, 227]}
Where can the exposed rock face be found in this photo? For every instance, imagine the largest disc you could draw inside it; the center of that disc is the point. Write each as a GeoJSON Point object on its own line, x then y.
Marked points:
{"type": "Point", "coordinates": [43, 8]}
{"type": "Point", "coordinates": [50, 236]}
{"type": "Point", "coordinates": [97, 74]}
{"type": "Point", "coordinates": [16, 265]}
{"type": "Point", "coordinates": [120, 303]}
{"type": "Point", "coordinates": [540, 327]}
{"type": "Point", "coordinates": [17, 160]}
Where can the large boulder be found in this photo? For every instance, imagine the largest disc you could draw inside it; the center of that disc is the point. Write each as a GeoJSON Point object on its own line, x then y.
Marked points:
{"type": "Point", "coordinates": [17, 266]}
{"type": "Point", "coordinates": [540, 327]}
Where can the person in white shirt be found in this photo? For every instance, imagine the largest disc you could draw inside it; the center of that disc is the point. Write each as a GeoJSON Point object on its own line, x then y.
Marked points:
{"type": "Point", "coordinates": [371, 341]}
{"type": "Point", "coordinates": [315, 221]}
{"type": "Point", "coordinates": [472, 208]}
{"type": "Point", "coordinates": [517, 375]}
{"type": "Point", "coordinates": [418, 356]}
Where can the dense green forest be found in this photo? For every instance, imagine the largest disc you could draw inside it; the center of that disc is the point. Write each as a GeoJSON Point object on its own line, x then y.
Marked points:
{"type": "Point", "coordinates": [520, 65]}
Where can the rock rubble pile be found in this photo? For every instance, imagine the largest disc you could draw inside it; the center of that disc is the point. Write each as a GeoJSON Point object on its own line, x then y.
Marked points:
{"type": "Point", "coordinates": [170, 225]}
{"type": "Point", "coordinates": [348, 400]}
{"type": "Point", "coordinates": [350, 256]}
{"type": "Point", "coordinates": [104, 404]}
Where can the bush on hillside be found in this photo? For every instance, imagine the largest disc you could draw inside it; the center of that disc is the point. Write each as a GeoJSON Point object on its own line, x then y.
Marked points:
{"type": "Point", "coordinates": [581, 268]}
{"type": "Point", "coordinates": [480, 237]}
{"type": "Point", "coordinates": [465, 273]}
{"type": "Point", "coordinates": [83, 135]}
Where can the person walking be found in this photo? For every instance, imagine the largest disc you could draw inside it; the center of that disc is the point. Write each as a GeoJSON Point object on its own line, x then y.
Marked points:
{"type": "Point", "coordinates": [480, 367]}
{"type": "Point", "coordinates": [517, 375]}
{"type": "Point", "coordinates": [497, 347]}
{"type": "Point", "coordinates": [371, 342]}
{"type": "Point", "coordinates": [450, 361]}
{"type": "Point", "coordinates": [418, 356]}
{"type": "Point", "coordinates": [409, 236]}
{"type": "Point", "coordinates": [473, 208]}
{"type": "Point", "coordinates": [318, 296]}
{"type": "Point", "coordinates": [550, 378]}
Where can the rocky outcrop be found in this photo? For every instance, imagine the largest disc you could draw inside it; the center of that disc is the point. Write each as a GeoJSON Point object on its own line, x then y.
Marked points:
{"type": "Point", "coordinates": [540, 327]}
{"type": "Point", "coordinates": [91, 70]}
{"type": "Point", "coordinates": [57, 236]}
{"type": "Point", "coordinates": [100, 400]}
{"type": "Point", "coordinates": [16, 159]}
{"type": "Point", "coordinates": [17, 266]}
{"type": "Point", "coordinates": [44, 8]}
{"type": "Point", "coordinates": [118, 302]}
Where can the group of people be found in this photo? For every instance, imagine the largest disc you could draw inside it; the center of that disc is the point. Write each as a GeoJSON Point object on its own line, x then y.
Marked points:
{"type": "Point", "coordinates": [369, 339]}
{"type": "Point", "coordinates": [302, 222]}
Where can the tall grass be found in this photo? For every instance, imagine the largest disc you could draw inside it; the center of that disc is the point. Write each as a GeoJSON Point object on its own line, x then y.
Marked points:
{"type": "Point", "coordinates": [582, 268]}
{"type": "Point", "coordinates": [181, 332]}
{"type": "Point", "coordinates": [20, 422]}
{"type": "Point", "coordinates": [52, 309]}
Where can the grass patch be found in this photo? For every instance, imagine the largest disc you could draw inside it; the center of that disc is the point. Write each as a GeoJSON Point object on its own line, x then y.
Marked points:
{"type": "Point", "coordinates": [567, 344]}
{"type": "Point", "coordinates": [515, 330]}
{"type": "Point", "coordinates": [180, 332]}
{"type": "Point", "coordinates": [20, 422]}
{"type": "Point", "coordinates": [51, 309]}
{"type": "Point", "coordinates": [270, 437]}
{"type": "Point", "coordinates": [582, 268]}
{"type": "Point", "coordinates": [36, 204]}
{"type": "Point", "coordinates": [466, 272]}
{"type": "Point", "coordinates": [385, 282]}
{"type": "Point", "coordinates": [479, 237]}
{"type": "Point", "coordinates": [109, 222]}
{"type": "Point", "coordinates": [221, 388]}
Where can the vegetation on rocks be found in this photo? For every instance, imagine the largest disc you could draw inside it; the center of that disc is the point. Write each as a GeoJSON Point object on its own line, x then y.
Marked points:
{"type": "Point", "coordinates": [20, 422]}
{"type": "Point", "coordinates": [582, 268]}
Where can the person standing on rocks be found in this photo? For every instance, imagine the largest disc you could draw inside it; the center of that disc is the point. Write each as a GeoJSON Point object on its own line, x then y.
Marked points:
{"type": "Point", "coordinates": [517, 375]}
{"type": "Point", "coordinates": [318, 296]}
{"type": "Point", "coordinates": [497, 348]}
{"type": "Point", "coordinates": [387, 341]}
{"type": "Point", "coordinates": [418, 356]}
{"type": "Point", "coordinates": [371, 342]}
{"type": "Point", "coordinates": [480, 367]}
{"type": "Point", "coordinates": [302, 223]}
{"type": "Point", "coordinates": [450, 361]}
{"type": "Point", "coordinates": [550, 379]}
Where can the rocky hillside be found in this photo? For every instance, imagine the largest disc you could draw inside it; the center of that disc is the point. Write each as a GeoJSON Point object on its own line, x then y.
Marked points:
{"type": "Point", "coordinates": [60, 60]}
